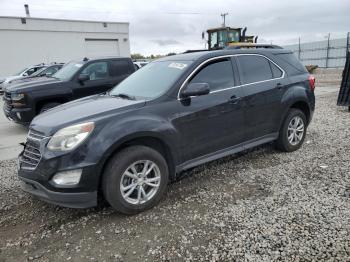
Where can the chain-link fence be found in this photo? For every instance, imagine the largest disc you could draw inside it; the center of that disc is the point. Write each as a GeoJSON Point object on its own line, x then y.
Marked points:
{"type": "Point", "coordinates": [327, 53]}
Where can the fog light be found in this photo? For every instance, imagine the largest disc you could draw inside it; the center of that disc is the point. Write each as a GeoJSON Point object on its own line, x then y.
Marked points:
{"type": "Point", "coordinates": [18, 115]}
{"type": "Point", "coordinates": [67, 178]}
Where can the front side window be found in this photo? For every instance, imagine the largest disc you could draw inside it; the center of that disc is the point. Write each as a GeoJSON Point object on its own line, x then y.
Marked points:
{"type": "Point", "coordinates": [95, 71]}
{"type": "Point", "coordinates": [254, 68]}
{"type": "Point", "coordinates": [152, 80]}
{"type": "Point", "coordinates": [32, 70]}
{"type": "Point", "coordinates": [218, 75]}
{"type": "Point", "coordinates": [213, 40]}
{"type": "Point", "coordinates": [222, 38]}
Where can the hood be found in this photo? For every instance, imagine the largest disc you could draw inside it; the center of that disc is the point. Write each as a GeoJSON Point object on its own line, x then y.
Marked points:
{"type": "Point", "coordinates": [90, 108]}
{"type": "Point", "coordinates": [23, 79]}
{"type": "Point", "coordinates": [20, 85]}
{"type": "Point", "coordinates": [10, 78]}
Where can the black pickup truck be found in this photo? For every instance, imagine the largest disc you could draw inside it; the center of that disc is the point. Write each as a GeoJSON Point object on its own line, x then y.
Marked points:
{"type": "Point", "coordinates": [77, 79]}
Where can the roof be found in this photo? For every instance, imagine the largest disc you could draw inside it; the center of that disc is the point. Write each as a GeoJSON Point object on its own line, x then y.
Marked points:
{"type": "Point", "coordinates": [60, 19]}
{"type": "Point", "coordinates": [224, 28]}
{"type": "Point", "coordinates": [210, 54]}
{"type": "Point", "coordinates": [88, 59]}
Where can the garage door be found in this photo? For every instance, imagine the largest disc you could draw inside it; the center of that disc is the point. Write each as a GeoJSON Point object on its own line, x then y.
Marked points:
{"type": "Point", "coordinates": [101, 47]}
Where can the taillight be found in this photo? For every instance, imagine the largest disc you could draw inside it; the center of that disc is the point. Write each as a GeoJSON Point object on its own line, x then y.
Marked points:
{"type": "Point", "coordinates": [312, 81]}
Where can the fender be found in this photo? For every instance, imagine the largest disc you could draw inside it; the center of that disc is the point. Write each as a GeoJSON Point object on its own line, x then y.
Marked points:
{"type": "Point", "coordinates": [296, 94]}
{"type": "Point", "coordinates": [130, 128]}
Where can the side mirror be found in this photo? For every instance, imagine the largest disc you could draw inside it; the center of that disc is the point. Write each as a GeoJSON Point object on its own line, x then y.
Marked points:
{"type": "Point", "coordinates": [82, 78]}
{"type": "Point", "coordinates": [48, 74]}
{"type": "Point", "coordinates": [25, 74]}
{"type": "Point", "coordinates": [196, 89]}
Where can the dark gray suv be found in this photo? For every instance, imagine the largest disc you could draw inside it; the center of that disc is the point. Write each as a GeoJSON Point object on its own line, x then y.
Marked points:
{"type": "Point", "coordinates": [176, 113]}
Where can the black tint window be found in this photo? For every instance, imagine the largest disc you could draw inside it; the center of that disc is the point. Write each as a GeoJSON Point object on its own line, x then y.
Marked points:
{"type": "Point", "coordinates": [218, 75]}
{"type": "Point", "coordinates": [292, 64]}
{"type": "Point", "coordinates": [254, 68]}
{"type": "Point", "coordinates": [276, 72]}
{"type": "Point", "coordinates": [120, 67]}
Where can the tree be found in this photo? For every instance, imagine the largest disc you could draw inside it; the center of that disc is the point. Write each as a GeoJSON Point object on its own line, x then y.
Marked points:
{"type": "Point", "coordinates": [137, 56]}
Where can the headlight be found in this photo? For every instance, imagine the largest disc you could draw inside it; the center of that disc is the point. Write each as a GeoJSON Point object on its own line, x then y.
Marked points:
{"type": "Point", "coordinates": [70, 137]}
{"type": "Point", "coordinates": [17, 97]}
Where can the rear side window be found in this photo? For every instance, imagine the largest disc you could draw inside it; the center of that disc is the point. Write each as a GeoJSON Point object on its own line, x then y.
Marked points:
{"type": "Point", "coordinates": [120, 67]}
{"type": "Point", "coordinates": [254, 68]}
{"type": "Point", "coordinates": [292, 64]}
{"type": "Point", "coordinates": [218, 75]}
{"type": "Point", "coordinates": [276, 72]}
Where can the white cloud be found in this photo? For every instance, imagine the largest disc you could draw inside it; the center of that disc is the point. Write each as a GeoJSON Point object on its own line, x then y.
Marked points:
{"type": "Point", "coordinates": [159, 26]}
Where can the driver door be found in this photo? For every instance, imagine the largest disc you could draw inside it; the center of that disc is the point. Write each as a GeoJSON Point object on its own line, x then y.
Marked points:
{"type": "Point", "coordinates": [212, 122]}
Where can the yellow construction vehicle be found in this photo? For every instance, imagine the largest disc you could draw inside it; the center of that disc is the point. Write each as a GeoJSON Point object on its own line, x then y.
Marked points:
{"type": "Point", "coordinates": [219, 38]}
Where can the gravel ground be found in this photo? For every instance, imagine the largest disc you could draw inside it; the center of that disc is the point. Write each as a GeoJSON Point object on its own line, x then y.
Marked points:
{"type": "Point", "coordinates": [261, 205]}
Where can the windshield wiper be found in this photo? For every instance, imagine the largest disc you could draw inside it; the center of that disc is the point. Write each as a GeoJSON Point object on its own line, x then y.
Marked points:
{"type": "Point", "coordinates": [124, 96]}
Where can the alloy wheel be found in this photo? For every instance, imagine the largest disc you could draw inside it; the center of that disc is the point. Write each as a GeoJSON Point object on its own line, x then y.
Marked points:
{"type": "Point", "coordinates": [296, 129]}
{"type": "Point", "coordinates": [140, 182]}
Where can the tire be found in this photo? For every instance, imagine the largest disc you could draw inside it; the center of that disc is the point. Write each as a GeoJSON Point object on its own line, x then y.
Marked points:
{"type": "Point", "coordinates": [48, 106]}
{"type": "Point", "coordinates": [115, 177]}
{"type": "Point", "coordinates": [283, 142]}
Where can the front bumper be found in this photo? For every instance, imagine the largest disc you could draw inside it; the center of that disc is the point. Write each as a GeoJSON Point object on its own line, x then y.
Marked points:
{"type": "Point", "coordinates": [26, 114]}
{"type": "Point", "coordinates": [72, 200]}
{"type": "Point", "coordinates": [37, 175]}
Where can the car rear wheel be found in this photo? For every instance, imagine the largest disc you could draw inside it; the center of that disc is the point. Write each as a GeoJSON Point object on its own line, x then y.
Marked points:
{"type": "Point", "coordinates": [135, 179]}
{"type": "Point", "coordinates": [293, 131]}
{"type": "Point", "coordinates": [48, 106]}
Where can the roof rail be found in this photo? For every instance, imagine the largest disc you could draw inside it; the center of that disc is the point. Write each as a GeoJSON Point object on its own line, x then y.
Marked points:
{"type": "Point", "coordinates": [252, 45]}
{"type": "Point", "coordinates": [194, 51]}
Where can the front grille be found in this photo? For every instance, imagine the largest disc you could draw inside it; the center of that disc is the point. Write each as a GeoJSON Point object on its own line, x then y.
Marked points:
{"type": "Point", "coordinates": [7, 102]}
{"type": "Point", "coordinates": [31, 155]}
{"type": "Point", "coordinates": [7, 107]}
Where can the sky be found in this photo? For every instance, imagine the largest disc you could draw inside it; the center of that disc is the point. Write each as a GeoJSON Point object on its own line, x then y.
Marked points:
{"type": "Point", "coordinates": [160, 27]}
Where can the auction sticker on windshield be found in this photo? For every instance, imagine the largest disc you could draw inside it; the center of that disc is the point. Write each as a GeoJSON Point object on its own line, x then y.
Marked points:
{"type": "Point", "coordinates": [177, 65]}
{"type": "Point", "coordinates": [78, 65]}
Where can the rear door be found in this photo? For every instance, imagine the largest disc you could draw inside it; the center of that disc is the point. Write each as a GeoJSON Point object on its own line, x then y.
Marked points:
{"type": "Point", "coordinates": [212, 122]}
{"type": "Point", "coordinates": [99, 80]}
{"type": "Point", "coordinates": [263, 85]}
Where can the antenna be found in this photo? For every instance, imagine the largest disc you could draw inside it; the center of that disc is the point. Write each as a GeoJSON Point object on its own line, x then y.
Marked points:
{"type": "Point", "coordinates": [224, 19]}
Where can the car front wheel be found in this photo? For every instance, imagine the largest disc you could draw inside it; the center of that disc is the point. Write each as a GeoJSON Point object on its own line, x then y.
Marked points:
{"type": "Point", "coordinates": [293, 131]}
{"type": "Point", "coordinates": [135, 179]}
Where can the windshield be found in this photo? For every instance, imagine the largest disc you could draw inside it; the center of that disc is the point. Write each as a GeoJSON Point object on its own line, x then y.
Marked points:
{"type": "Point", "coordinates": [152, 80]}
{"type": "Point", "coordinates": [20, 72]}
{"type": "Point", "coordinates": [67, 71]}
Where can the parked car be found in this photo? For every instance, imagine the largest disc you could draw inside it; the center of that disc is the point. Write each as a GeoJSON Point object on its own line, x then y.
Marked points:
{"type": "Point", "coordinates": [176, 113]}
{"type": "Point", "coordinates": [47, 70]}
{"type": "Point", "coordinates": [25, 72]}
{"type": "Point", "coordinates": [77, 79]}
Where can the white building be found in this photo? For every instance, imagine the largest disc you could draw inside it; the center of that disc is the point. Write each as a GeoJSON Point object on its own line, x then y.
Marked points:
{"type": "Point", "coordinates": [27, 41]}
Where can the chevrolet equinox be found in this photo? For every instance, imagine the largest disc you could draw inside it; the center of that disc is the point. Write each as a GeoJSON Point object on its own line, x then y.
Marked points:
{"type": "Point", "coordinates": [178, 112]}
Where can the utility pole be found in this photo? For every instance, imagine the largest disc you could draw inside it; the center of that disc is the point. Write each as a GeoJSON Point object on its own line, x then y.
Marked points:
{"type": "Point", "coordinates": [327, 57]}
{"type": "Point", "coordinates": [224, 19]}
{"type": "Point", "coordinates": [299, 51]}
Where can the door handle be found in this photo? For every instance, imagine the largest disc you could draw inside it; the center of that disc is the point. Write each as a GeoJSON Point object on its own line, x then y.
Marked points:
{"type": "Point", "coordinates": [234, 99]}
{"type": "Point", "coordinates": [279, 86]}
